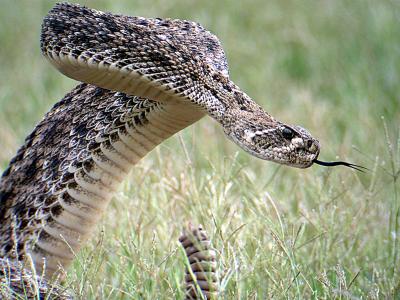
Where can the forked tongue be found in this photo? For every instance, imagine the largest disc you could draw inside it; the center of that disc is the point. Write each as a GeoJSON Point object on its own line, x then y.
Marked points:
{"type": "Point", "coordinates": [340, 163]}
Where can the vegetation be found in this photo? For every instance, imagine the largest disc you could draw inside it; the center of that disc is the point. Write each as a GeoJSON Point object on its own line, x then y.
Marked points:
{"type": "Point", "coordinates": [283, 233]}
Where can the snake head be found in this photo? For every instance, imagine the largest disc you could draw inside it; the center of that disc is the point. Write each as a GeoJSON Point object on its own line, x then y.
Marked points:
{"type": "Point", "coordinates": [274, 141]}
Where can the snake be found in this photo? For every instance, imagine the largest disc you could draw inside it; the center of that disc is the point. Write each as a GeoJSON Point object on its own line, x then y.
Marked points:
{"type": "Point", "coordinates": [141, 81]}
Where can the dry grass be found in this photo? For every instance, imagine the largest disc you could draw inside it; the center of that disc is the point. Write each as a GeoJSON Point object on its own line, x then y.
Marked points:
{"type": "Point", "coordinates": [282, 233]}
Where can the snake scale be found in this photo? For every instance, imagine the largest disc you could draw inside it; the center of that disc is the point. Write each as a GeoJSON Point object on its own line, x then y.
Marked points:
{"type": "Point", "coordinates": [143, 80]}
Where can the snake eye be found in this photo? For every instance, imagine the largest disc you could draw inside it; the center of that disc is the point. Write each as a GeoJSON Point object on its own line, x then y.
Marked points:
{"type": "Point", "coordinates": [287, 133]}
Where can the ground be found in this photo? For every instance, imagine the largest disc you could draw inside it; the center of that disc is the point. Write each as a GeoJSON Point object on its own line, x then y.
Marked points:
{"type": "Point", "coordinates": [282, 233]}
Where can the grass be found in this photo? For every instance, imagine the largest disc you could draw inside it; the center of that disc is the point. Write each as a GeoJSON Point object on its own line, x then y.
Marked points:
{"type": "Point", "coordinates": [282, 233]}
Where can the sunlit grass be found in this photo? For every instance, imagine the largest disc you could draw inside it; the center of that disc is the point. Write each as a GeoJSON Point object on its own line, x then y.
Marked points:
{"type": "Point", "coordinates": [330, 66]}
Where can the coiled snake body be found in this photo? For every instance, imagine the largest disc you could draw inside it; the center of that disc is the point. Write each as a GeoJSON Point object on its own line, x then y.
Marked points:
{"type": "Point", "coordinates": [144, 80]}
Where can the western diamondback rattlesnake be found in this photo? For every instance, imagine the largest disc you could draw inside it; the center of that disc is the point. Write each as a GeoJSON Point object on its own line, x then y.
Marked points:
{"type": "Point", "coordinates": [144, 80]}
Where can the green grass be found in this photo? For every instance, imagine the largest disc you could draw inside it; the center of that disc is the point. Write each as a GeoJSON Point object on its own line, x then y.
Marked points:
{"type": "Point", "coordinates": [282, 233]}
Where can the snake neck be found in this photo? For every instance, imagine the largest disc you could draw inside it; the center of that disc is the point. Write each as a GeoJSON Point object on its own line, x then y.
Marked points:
{"type": "Point", "coordinates": [163, 60]}
{"type": "Point", "coordinates": [62, 180]}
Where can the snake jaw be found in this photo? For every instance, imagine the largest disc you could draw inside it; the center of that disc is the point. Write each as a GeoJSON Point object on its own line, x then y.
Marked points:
{"type": "Point", "coordinates": [264, 139]}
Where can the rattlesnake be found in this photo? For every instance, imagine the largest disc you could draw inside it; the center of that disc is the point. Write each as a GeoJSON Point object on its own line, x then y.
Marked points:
{"type": "Point", "coordinates": [144, 80]}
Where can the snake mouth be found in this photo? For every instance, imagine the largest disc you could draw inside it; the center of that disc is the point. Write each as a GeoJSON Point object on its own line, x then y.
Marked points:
{"type": "Point", "coordinates": [340, 163]}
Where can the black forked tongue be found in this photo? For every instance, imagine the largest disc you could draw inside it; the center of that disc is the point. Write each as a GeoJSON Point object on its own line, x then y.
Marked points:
{"type": "Point", "coordinates": [340, 163]}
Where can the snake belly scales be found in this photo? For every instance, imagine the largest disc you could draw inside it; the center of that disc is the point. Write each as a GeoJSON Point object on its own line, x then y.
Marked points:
{"type": "Point", "coordinates": [143, 80]}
